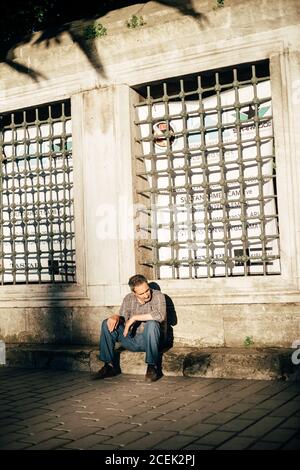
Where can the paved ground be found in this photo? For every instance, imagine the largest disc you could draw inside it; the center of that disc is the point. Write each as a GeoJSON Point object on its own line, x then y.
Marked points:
{"type": "Point", "coordinates": [46, 409]}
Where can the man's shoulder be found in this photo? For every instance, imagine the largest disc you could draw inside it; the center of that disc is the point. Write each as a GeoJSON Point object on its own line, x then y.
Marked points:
{"type": "Point", "coordinates": [129, 297]}
{"type": "Point", "coordinates": [157, 294]}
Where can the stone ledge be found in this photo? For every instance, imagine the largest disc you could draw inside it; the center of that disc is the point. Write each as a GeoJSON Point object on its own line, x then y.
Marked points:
{"type": "Point", "coordinates": [242, 363]}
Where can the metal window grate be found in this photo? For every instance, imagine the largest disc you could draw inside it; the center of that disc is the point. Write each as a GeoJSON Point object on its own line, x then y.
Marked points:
{"type": "Point", "coordinates": [37, 243]}
{"type": "Point", "coordinates": [205, 168]}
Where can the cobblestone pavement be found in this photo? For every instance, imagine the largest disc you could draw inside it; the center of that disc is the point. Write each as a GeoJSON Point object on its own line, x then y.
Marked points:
{"type": "Point", "coordinates": [46, 409]}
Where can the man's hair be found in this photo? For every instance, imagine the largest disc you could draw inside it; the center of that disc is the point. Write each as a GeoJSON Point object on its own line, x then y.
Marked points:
{"type": "Point", "coordinates": [136, 280]}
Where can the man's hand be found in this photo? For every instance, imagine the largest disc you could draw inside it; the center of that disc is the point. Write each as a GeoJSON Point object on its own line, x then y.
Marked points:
{"type": "Point", "coordinates": [112, 322]}
{"type": "Point", "coordinates": [128, 325]}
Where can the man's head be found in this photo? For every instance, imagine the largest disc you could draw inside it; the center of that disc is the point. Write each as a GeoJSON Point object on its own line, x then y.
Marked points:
{"type": "Point", "coordinates": [139, 286]}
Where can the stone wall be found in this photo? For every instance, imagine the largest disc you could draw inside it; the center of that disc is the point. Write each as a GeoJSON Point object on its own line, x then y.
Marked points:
{"type": "Point", "coordinates": [269, 325]}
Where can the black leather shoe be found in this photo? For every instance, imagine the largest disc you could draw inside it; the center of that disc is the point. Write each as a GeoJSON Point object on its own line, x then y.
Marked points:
{"type": "Point", "coordinates": [105, 372]}
{"type": "Point", "coordinates": [152, 373]}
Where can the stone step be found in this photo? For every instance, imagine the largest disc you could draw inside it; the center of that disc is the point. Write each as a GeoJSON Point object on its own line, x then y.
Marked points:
{"type": "Point", "coordinates": [242, 363]}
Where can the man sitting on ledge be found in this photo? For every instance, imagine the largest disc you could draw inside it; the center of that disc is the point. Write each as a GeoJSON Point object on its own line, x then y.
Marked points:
{"type": "Point", "coordinates": [136, 327]}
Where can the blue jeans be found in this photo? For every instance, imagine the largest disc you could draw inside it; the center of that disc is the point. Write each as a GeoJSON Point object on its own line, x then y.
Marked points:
{"type": "Point", "coordinates": [148, 342]}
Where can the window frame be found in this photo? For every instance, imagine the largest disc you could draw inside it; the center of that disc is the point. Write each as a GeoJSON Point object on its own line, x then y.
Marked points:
{"type": "Point", "coordinates": [257, 289]}
{"type": "Point", "coordinates": [155, 163]}
{"type": "Point", "coordinates": [37, 294]}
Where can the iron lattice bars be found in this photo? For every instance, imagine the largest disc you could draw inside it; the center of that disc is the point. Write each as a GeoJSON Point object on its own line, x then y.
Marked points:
{"type": "Point", "coordinates": [37, 218]}
{"type": "Point", "coordinates": [206, 150]}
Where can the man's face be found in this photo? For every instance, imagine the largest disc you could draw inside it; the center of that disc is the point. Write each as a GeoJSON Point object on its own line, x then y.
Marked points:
{"type": "Point", "coordinates": [142, 292]}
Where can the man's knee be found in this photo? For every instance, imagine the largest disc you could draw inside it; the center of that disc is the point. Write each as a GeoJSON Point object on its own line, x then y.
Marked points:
{"type": "Point", "coordinates": [104, 325]}
{"type": "Point", "coordinates": [152, 326]}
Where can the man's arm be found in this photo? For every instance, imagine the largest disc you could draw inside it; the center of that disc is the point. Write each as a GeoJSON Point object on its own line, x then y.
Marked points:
{"type": "Point", "coordinates": [118, 318]}
{"type": "Point", "coordinates": [158, 309]}
{"type": "Point", "coordinates": [135, 318]}
{"type": "Point", "coordinates": [114, 321]}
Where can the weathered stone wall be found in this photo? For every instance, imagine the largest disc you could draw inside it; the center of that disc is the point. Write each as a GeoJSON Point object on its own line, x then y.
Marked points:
{"type": "Point", "coordinates": [196, 325]}
{"type": "Point", "coordinates": [99, 81]}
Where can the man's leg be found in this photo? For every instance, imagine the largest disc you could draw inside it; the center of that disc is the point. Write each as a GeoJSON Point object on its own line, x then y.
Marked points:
{"type": "Point", "coordinates": [152, 340]}
{"type": "Point", "coordinates": [149, 342]}
{"type": "Point", "coordinates": [107, 353]}
{"type": "Point", "coordinates": [108, 340]}
{"type": "Point", "coordinates": [107, 343]}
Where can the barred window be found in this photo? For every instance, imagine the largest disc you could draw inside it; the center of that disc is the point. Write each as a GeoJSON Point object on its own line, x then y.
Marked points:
{"type": "Point", "coordinates": [37, 221]}
{"type": "Point", "coordinates": [205, 175]}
